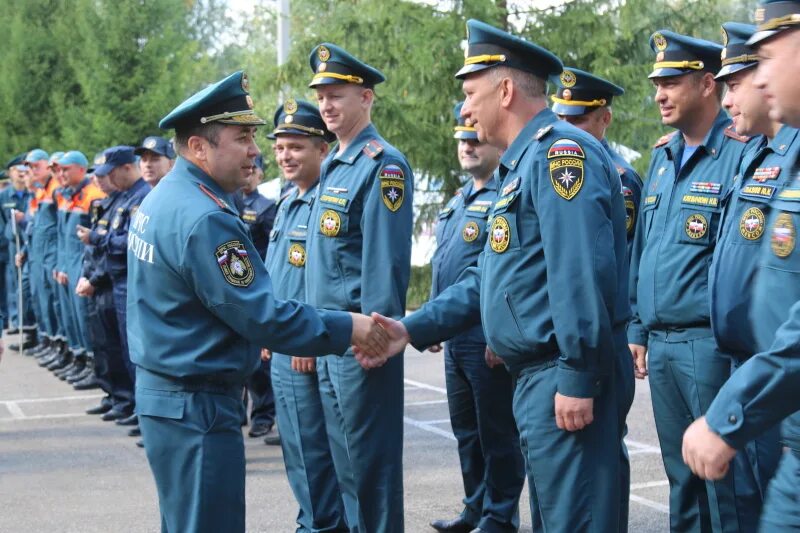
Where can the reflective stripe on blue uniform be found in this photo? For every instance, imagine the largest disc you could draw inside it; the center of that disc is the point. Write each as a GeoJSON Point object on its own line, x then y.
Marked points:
{"type": "Point", "coordinates": [198, 311]}
{"type": "Point", "coordinates": [551, 267]}
{"type": "Point", "coordinates": [479, 397]}
{"type": "Point", "coordinates": [301, 420]}
{"type": "Point", "coordinates": [359, 250]}
{"type": "Point", "coordinates": [678, 223]}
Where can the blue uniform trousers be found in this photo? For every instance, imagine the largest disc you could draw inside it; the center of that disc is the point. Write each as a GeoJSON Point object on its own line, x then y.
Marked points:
{"type": "Point", "coordinates": [625, 389]}
{"type": "Point", "coordinates": [364, 421]}
{"type": "Point", "coordinates": [31, 270]}
{"type": "Point", "coordinates": [492, 469]}
{"type": "Point", "coordinates": [12, 282]}
{"type": "Point", "coordinates": [259, 388]}
{"type": "Point", "coordinates": [782, 505]}
{"type": "Point", "coordinates": [109, 368]}
{"type": "Point", "coordinates": [68, 319]}
{"type": "Point", "coordinates": [55, 299]}
{"type": "Point", "coordinates": [80, 311]}
{"type": "Point", "coordinates": [41, 279]}
{"type": "Point", "coordinates": [573, 477]}
{"type": "Point", "coordinates": [120, 291]}
{"type": "Point", "coordinates": [195, 448]}
{"type": "Point", "coordinates": [3, 292]}
{"type": "Point", "coordinates": [686, 371]}
{"type": "Point", "coordinates": [306, 452]}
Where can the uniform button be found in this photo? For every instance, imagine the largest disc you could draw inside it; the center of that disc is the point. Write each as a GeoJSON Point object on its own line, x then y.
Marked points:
{"type": "Point", "coordinates": [732, 419]}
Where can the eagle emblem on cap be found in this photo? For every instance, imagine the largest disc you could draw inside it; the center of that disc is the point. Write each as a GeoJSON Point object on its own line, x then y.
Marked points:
{"type": "Point", "coordinates": [323, 53]}
{"type": "Point", "coordinates": [290, 106]}
{"type": "Point", "coordinates": [150, 143]}
{"type": "Point", "coordinates": [100, 160]}
{"type": "Point", "coordinates": [660, 41]}
{"type": "Point", "coordinates": [568, 78]}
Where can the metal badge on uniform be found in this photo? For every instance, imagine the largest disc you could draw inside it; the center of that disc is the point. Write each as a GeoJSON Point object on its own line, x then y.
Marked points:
{"type": "Point", "coordinates": [297, 255]}
{"type": "Point", "coordinates": [501, 235]}
{"type": "Point", "coordinates": [470, 232]}
{"type": "Point", "coordinates": [766, 173]}
{"type": "Point", "coordinates": [117, 218]}
{"type": "Point", "coordinates": [234, 262]}
{"type": "Point", "coordinates": [336, 190]}
{"type": "Point", "coordinates": [696, 226]}
{"type": "Point", "coordinates": [150, 144]}
{"type": "Point", "coordinates": [323, 53]}
{"type": "Point", "coordinates": [290, 106]}
{"type": "Point", "coordinates": [706, 187]}
{"type": "Point", "coordinates": [751, 225]}
{"type": "Point", "coordinates": [784, 235]}
{"type": "Point", "coordinates": [249, 216]}
{"type": "Point", "coordinates": [566, 167]}
{"type": "Point", "coordinates": [511, 187]}
{"type": "Point", "coordinates": [392, 186]}
{"type": "Point", "coordinates": [330, 223]}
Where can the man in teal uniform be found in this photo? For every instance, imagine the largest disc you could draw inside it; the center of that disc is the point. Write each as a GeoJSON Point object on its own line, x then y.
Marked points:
{"type": "Point", "coordinates": [763, 391]}
{"type": "Point", "coordinates": [550, 287]}
{"type": "Point", "coordinates": [359, 259]}
{"type": "Point", "coordinates": [690, 173]}
{"type": "Point", "coordinates": [764, 170]}
{"type": "Point", "coordinates": [199, 309]}
{"type": "Point", "coordinates": [584, 100]}
{"type": "Point", "coordinates": [479, 396]}
{"type": "Point", "coordinates": [301, 144]}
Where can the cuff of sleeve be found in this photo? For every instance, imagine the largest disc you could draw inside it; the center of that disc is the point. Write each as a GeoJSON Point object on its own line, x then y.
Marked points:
{"type": "Point", "coordinates": [637, 334]}
{"type": "Point", "coordinates": [421, 331]}
{"type": "Point", "coordinates": [577, 384]}
{"type": "Point", "coordinates": [340, 330]}
{"type": "Point", "coordinates": [727, 421]}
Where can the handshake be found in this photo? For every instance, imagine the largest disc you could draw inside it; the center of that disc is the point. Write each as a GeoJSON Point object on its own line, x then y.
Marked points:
{"type": "Point", "coordinates": [376, 338]}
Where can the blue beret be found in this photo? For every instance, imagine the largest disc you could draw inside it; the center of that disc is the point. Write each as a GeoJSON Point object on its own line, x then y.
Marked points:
{"type": "Point", "coordinates": [773, 17]}
{"type": "Point", "coordinates": [736, 55]}
{"type": "Point", "coordinates": [298, 117]}
{"type": "Point", "coordinates": [112, 158]}
{"type": "Point", "coordinates": [679, 54]}
{"type": "Point", "coordinates": [332, 64]}
{"type": "Point", "coordinates": [35, 155]}
{"type": "Point", "coordinates": [226, 102]}
{"type": "Point", "coordinates": [54, 158]}
{"type": "Point", "coordinates": [16, 161]}
{"type": "Point", "coordinates": [157, 145]}
{"type": "Point", "coordinates": [489, 47]}
{"type": "Point", "coordinates": [462, 131]}
{"type": "Point", "coordinates": [578, 92]}
{"type": "Point", "coordinates": [74, 157]}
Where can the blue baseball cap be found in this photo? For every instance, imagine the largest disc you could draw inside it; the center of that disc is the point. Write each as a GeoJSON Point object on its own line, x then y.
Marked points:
{"type": "Point", "coordinates": [157, 145]}
{"type": "Point", "coordinates": [298, 117]}
{"type": "Point", "coordinates": [16, 161]}
{"type": "Point", "coordinates": [489, 47]}
{"type": "Point", "coordinates": [462, 131]}
{"type": "Point", "coordinates": [74, 157]}
{"type": "Point", "coordinates": [227, 102]}
{"type": "Point", "coordinates": [677, 54]}
{"type": "Point", "coordinates": [112, 158]}
{"type": "Point", "coordinates": [334, 65]}
{"type": "Point", "coordinates": [736, 55]}
{"type": "Point", "coordinates": [37, 154]}
{"type": "Point", "coordinates": [774, 17]}
{"type": "Point", "coordinates": [579, 92]}
{"type": "Point", "coordinates": [55, 157]}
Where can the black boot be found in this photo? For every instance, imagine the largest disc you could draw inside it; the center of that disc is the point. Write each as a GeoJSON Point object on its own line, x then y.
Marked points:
{"type": "Point", "coordinates": [88, 370]}
{"type": "Point", "coordinates": [42, 347]}
{"type": "Point", "coordinates": [64, 359]}
{"type": "Point", "coordinates": [77, 368]}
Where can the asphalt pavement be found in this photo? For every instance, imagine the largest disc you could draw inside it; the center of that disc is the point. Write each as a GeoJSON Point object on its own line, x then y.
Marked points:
{"type": "Point", "coordinates": [64, 471]}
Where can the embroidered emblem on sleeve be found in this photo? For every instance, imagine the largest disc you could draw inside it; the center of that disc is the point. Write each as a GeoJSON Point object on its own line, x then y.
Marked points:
{"type": "Point", "coordinates": [392, 186]}
{"type": "Point", "coordinates": [234, 262]}
{"type": "Point", "coordinates": [565, 158]}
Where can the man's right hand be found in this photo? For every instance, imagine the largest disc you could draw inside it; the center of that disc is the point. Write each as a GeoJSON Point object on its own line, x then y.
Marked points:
{"type": "Point", "coordinates": [368, 337]}
{"type": "Point", "coordinates": [19, 259]}
{"type": "Point", "coordinates": [639, 354]}
{"type": "Point", "coordinates": [395, 337]}
{"type": "Point", "coordinates": [304, 365]}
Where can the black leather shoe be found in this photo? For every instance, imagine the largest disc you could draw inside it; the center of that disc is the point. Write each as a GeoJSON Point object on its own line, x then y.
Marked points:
{"type": "Point", "coordinates": [113, 414]}
{"type": "Point", "coordinates": [98, 409]}
{"type": "Point", "coordinates": [140, 443]}
{"type": "Point", "coordinates": [259, 430]}
{"type": "Point", "coordinates": [87, 384]}
{"type": "Point", "coordinates": [60, 363]}
{"type": "Point", "coordinates": [12, 331]}
{"type": "Point", "coordinates": [459, 525]}
{"type": "Point", "coordinates": [26, 345]}
{"type": "Point", "coordinates": [45, 360]}
{"type": "Point", "coordinates": [132, 420]}
{"type": "Point", "coordinates": [478, 530]}
{"type": "Point", "coordinates": [76, 366]}
{"type": "Point", "coordinates": [273, 438]}
{"type": "Point", "coordinates": [86, 373]}
{"type": "Point", "coordinates": [135, 432]}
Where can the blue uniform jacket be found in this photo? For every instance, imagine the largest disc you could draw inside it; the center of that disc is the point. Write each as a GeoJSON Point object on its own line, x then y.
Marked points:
{"type": "Point", "coordinates": [763, 391]}
{"type": "Point", "coordinates": [461, 236]}
{"type": "Point", "coordinates": [44, 238]}
{"type": "Point", "coordinates": [551, 282]}
{"type": "Point", "coordinates": [631, 191]}
{"type": "Point", "coordinates": [764, 173]}
{"type": "Point", "coordinates": [678, 223]}
{"type": "Point", "coordinates": [95, 265]}
{"type": "Point", "coordinates": [286, 255]}
{"type": "Point", "coordinates": [258, 212]}
{"type": "Point", "coordinates": [359, 240]}
{"type": "Point", "coordinates": [197, 304]}
{"type": "Point", "coordinates": [19, 200]}
{"type": "Point", "coordinates": [73, 210]}
{"type": "Point", "coordinates": [116, 242]}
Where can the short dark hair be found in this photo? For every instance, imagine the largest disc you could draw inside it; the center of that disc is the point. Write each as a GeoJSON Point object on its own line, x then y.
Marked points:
{"type": "Point", "coordinates": [209, 132]}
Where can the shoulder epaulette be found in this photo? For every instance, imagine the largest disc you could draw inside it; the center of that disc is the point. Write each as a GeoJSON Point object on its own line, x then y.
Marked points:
{"type": "Point", "coordinates": [730, 132]}
{"type": "Point", "coordinates": [664, 140]}
{"type": "Point", "coordinates": [286, 195]}
{"type": "Point", "coordinates": [541, 132]}
{"type": "Point", "coordinates": [373, 149]}
{"type": "Point", "coordinates": [211, 195]}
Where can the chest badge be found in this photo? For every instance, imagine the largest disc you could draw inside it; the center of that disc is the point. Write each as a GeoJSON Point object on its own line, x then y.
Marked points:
{"type": "Point", "coordinates": [470, 232]}
{"type": "Point", "coordinates": [696, 226]}
{"type": "Point", "coordinates": [784, 235]}
{"type": "Point", "coordinates": [297, 255]}
{"type": "Point", "coordinates": [751, 225]}
{"type": "Point", "coordinates": [763, 174]}
{"type": "Point", "coordinates": [501, 235]}
{"type": "Point", "coordinates": [330, 223]}
{"type": "Point", "coordinates": [234, 262]}
{"type": "Point", "coordinates": [630, 215]}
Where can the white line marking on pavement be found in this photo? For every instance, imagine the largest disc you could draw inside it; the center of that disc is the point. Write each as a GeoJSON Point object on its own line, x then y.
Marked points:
{"type": "Point", "coordinates": [425, 426]}
{"type": "Point", "coordinates": [649, 484]}
{"type": "Point", "coordinates": [57, 399]}
{"type": "Point", "coordinates": [14, 409]}
{"type": "Point", "coordinates": [42, 417]}
{"type": "Point", "coordinates": [427, 402]}
{"type": "Point", "coordinates": [650, 503]}
{"type": "Point", "coordinates": [637, 448]}
{"type": "Point", "coordinates": [421, 385]}
{"type": "Point", "coordinates": [433, 422]}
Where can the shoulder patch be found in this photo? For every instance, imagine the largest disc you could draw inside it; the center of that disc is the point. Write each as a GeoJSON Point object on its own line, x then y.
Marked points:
{"type": "Point", "coordinates": [566, 167]}
{"type": "Point", "coordinates": [731, 132]}
{"type": "Point", "coordinates": [542, 132]}
{"type": "Point", "coordinates": [218, 201]}
{"type": "Point", "coordinates": [234, 262]}
{"type": "Point", "coordinates": [392, 186]}
{"type": "Point", "coordinates": [664, 139]}
{"type": "Point", "coordinates": [373, 149]}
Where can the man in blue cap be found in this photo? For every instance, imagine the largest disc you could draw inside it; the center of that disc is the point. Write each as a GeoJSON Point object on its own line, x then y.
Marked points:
{"type": "Point", "coordinates": [5, 257]}
{"type": "Point", "coordinates": [763, 391]}
{"type": "Point", "coordinates": [479, 392]}
{"type": "Point", "coordinates": [764, 170]}
{"type": "Point", "coordinates": [301, 145]}
{"type": "Point", "coordinates": [554, 312]}
{"type": "Point", "coordinates": [156, 157]}
{"type": "Point", "coordinates": [359, 259]}
{"type": "Point", "coordinates": [201, 305]}
{"type": "Point", "coordinates": [670, 336]}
